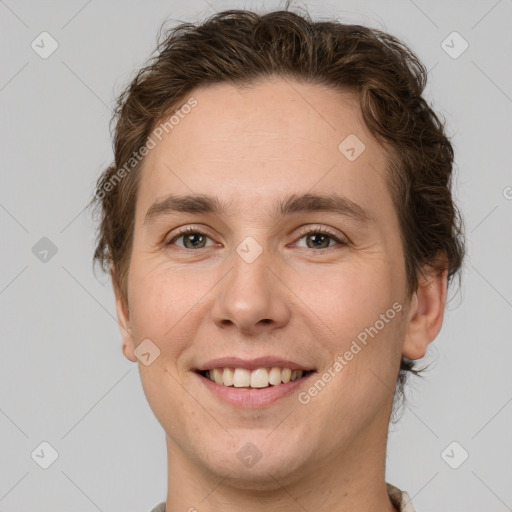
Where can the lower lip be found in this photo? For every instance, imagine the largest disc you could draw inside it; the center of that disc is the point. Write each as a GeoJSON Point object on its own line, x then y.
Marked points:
{"type": "Point", "coordinates": [253, 397]}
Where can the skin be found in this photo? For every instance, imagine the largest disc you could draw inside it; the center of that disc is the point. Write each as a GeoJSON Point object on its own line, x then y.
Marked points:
{"type": "Point", "coordinates": [251, 146]}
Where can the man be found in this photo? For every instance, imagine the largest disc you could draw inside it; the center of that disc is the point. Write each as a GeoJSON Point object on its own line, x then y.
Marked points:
{"type": "Point", "coordinates": [280, 233]}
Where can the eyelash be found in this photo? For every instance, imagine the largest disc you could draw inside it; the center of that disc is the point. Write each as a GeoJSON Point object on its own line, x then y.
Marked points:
{"type": "Point", "coordinates": [304, 232]}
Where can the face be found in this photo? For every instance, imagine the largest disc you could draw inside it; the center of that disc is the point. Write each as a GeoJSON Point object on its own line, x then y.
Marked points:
{"type": "Point", "coordinates": [298, 283]}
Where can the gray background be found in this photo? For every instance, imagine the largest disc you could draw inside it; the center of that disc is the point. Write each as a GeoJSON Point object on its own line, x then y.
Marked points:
{"type": "Point", "coordinates": [63, 378]}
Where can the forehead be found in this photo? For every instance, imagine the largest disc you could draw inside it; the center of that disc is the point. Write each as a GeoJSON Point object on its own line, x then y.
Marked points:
{"type": "Point", "coordinates": [255, 141]}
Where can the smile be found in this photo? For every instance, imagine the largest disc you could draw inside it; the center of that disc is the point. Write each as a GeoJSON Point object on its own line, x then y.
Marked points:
{"type": "Point", "coordinates": [258, 378]}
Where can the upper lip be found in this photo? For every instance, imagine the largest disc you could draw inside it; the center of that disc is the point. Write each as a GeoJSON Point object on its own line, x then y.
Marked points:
{"type": "Point", "coordinates": [251, 364]}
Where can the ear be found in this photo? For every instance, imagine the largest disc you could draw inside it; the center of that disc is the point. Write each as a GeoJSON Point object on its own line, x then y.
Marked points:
{"type": "Point", "coordinates": [426, 313]}
{"type": "Point", "coordinates": [123, 320]}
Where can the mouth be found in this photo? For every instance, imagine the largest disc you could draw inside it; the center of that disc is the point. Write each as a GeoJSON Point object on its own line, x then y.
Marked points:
{"type": "Point", "coordinates": [260, 382]}
{"type": "Point", "coordinates": [259, 378]}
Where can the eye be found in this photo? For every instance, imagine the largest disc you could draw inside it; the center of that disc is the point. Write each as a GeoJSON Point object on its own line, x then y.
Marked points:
{"type": "Point", "coordinates": [196, 239]}
{"type": "Point", "coordinates": [192, 238]}
{"type": "Point", "coordinates": [321, 239]}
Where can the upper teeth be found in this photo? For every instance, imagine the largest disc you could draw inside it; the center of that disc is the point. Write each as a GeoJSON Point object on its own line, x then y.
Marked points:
{"type": "Point", "coordinates": [259, 378]}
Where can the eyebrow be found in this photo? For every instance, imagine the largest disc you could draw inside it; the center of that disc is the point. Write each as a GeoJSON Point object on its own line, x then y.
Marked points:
{"type": "Point", "coordinates": [304, 203]}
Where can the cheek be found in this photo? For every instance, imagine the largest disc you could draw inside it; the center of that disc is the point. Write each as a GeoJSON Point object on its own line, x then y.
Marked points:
{"type": "Point", "coordinates": [352, 297]}
{"type": "Point", "coordinates": [363, 308]}
{"type": "Point", "coordinates": [161, 296]}
{"type": "Point", "coordinates": [164, 392]}
{"type": "Point", "coordinates": [163, 311]}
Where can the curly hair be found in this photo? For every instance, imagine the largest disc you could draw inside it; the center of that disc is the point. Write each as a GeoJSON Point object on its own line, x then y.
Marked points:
{"type": "Point", "coordinates": [241, 47]}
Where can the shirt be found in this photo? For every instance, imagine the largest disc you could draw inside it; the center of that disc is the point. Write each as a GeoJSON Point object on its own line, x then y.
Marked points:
{"type": "Point", "coordinates": [400, 499]}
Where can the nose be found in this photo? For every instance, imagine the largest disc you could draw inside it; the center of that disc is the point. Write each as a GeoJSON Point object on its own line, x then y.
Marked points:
{"type": "Point", "coordinates": [252, 298]}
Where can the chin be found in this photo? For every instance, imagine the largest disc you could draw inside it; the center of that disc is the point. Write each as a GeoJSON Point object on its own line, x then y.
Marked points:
{"type": "Point", "coordinates": [252, 468]}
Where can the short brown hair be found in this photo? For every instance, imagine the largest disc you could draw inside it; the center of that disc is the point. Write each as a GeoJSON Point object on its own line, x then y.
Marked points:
{"type": "Point", "coordinates": [240, 47]}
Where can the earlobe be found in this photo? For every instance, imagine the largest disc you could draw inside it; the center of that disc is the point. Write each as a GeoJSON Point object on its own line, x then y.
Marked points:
{"type": "Point", "coordinates": [426, 314]}
{"type": "Point", "coordinates": [123, 320]}
{"type": "Point", "coordinates": [128, 352]}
